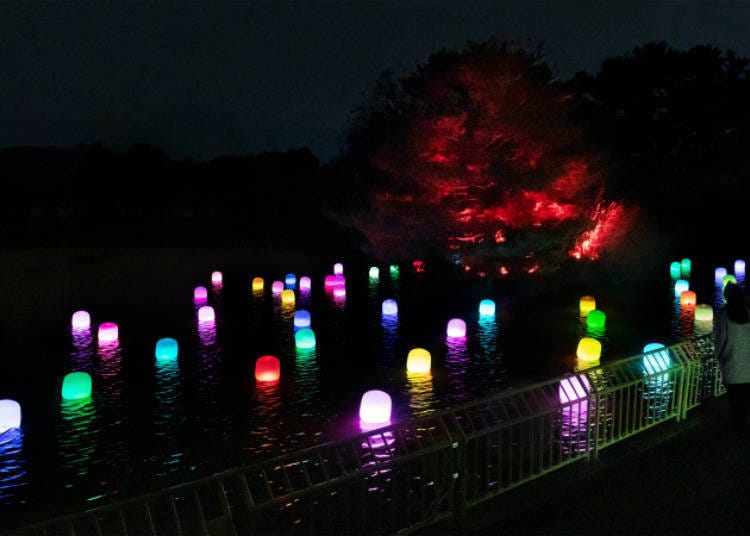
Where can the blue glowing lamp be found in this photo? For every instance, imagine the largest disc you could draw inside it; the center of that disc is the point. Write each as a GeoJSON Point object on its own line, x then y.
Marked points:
{"type": "Point", "coordinates": [486, 308]}
{"type": "Point", "coordinates": [374, 272]}
{"type": "Point", "coordinates": [302, 319]}
{"type": "Point", "coordinates": [675, 270]}
{"type": "Point", "coordinates": [680, 286]}
{"type": "Point", "coordinates": [304, 338]}
{"type": "Point", "coordinates": [739, 268]}
{"type": "Point", "coordinates": [76, 386]}
{"type": "Point", "coordinates": [10, 415]}
{"type": "Point", "coordinates": [685, 267]}
{"type": "Point", "coordinates": [390, 307]}
{"type": "Point", "coordinates": [655, 358]}
{"type": "Point", "coordinates": [290, 280]}
{"type": "Point", "coordinates": [719, 274]}
{"type": "Point", "coordinates": [166, 349]}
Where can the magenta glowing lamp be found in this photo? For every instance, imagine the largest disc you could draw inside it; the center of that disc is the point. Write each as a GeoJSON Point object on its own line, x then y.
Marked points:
{"type": "Point", "coordinates": [108, 332]}
{"type": "Point", "coordinates": [739, 267]}
{"type": "Point", "coordinates": [418, 361]}
{"type": "Point", "coordinates": [719, 274]}
{"type": "Point", "coordinates": [200, 294]}
{"type": "Point", "coordinates": [267, 369]}
{"type": "Point", "coordinates": [573, 388]}
{"type": "Point", "coordinates": [338, 269]}
{"type": "Point", "coordinates": [681, 286]}
{"type": "Point", "coordinates": [287, 297]}
{"type": "Point", "coordinates": [704, 313]}
{"type": "Point", "coordinates": [277, 287]}
{"type": "Point", "coordinates": [258, 284]}
{"type": "Point", "coordinates": [302, 319]}
{"type": "Point", "coordinates": [217, 278]}
{"type": "Point", "coordinates": [76, 386]}
{"type": "Point", "coordinates": [329, 282]}
{"type": "Point", "coordinates": [305, 283]}
{"type": "Point", "coordinates": [390, 307]}
{"type": "Point", "coordinates": [486, 308]}
{"type": "Point", "coordinates": [206, 314]}
{"type": "Point", "coordinates": [166, 349]}
{"type": "Point", "coordinates": [290, 280]}
{"type": "Point", "coordinates": [81, 320]}
{"type": "Point", "coordinates": [456, 328]}
{"type": "Point", "coordinates": [10, 415]}
{"type": "Point", "coordinates": [304, 339]}
{"type": "Point", "coordinates": [339, 281]}
{"type": "Point", "coordinates": [375, 408]}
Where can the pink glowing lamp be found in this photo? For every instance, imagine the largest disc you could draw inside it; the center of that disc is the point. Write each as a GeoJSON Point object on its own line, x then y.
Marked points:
{"type": "Point", "coordinates": [206, 314]}
{"type": "Point", "coordinates": [200, 294]}
{"type": "Point", "coordinates": [338, 269]}
{"type": "Point", "coordinates": [108, 332]}
{"type": "Point", "coordinates": [305, 283]}
{"type": "Point", "coordinates": [375, 408]}
{"type": "Point", "coordinates": [456, 328]}
{"type": "Point", "coordinates": [277, 287]}
{"type": "Point", "coordinates": [81, 320]}
{"type": "Point", "coordinates": [574, 388]}
{"type": "Point", "coordinates": [217, 278]}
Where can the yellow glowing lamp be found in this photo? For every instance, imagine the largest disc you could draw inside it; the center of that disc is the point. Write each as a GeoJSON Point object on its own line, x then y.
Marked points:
{"type": "Point", "coordinates": [688, 299]}
{"type": "Point", "coordinates": [258, 284]}
{"type": "Point", "coordinates": [586, 305]}
{"type": "Point", "coordinates": [418, 361]}
{"type": "Point", "coordinates": [287, 297]}
{"type": "Point", "coordinates": [589, 349]}
{"type": "Point", "coordinates": [704, 313]}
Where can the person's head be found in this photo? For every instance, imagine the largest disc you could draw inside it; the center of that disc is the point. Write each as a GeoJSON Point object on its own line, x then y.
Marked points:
{"type": "Point", "coordinates": [736, 304]}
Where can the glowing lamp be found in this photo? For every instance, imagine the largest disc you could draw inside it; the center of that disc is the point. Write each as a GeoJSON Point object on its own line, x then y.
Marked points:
{"type": "Point", "coordinates": [586, 305]}
{"type": "Point", "coordinates": [419, 266]}
{"type": "Point", "coordinates": [704, 313]}
{"type": "Point", "coordinates": [10, 415]}
{"type": "Point", "coordinates": [596, 319]}
{"type": "Point", "coordinates": [166, 349]}
{"type": "Point", "coordinates": [486, 308]}
{"type": "Point", "coordinates": [374, 272]}
{"type": "Point", "coordinates": [267, 369]}
{"type": "Point", "coordinates": [728, 279]}
{"type": "Point", "coordinates": [305, 283]}
{"type": "Point", "coordinates": [217, 278]}
{"type": "Point", "coordinates": [302, 319]}
{"type": "Point", "coordinates": [290, 280]}
{"type": "Point", "coordinates": [338, 269]}
{"type": "Point", "coordinates": [375, 408]}
{"type": "Point", "coordinates": [81, 320]}
{"type": "Point", "coordinates": [675, 270]}
{"type": "Point", "coordinates": [304, 338]}
{"type": "Point", "coordinates": [390, 307]}
{"type": "Point", "coordinates": [394, 269]}
{"type": "Point", "coordinates": [418, 361]}
{"type": "Point", "coordinates": [206, 314]}
{"type": "Point", "coordinates": [287, 297]}
{"type": "Point", "coordinates": [76, 385]}
{"type": "Point", "coordinates": [108, 332]}
{"type": "Point", "coordinates": [200, 294]}
{"type": "Point", "coordinates": [258, 284]}
{"type": "Point", "coordinates": [739, 267]}
{"type": "Point", "coordinates": [329, 282]}
{"type": "Point", "coordinates": [655, 360]}
{"type": "Point", "coordinates": [573, 388]}
{"type": "Point", "coordinates": [589, 349]}
{"type": "Point", "coordinates": [719, 274]}
{"type": "Point", "coordinates": [688, 299]}
{"type": "Point", "coordinates": [456, 328]}
{"type": "Point", "coordinates": [685, 266]}
{"type": "Point", "coordinates": [680, 286]}
{"type": "Point", "coordinates": [339, 292]}
{"type": "Point", "coordinates": [652, 346]}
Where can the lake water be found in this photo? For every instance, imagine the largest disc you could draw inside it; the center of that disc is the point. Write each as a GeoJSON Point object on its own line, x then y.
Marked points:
{"type": "Point", "coordinates": [154, 423]}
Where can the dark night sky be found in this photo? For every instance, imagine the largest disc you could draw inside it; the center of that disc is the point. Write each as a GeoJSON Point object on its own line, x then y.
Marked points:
{"type": "Point", "coordinates": [204, 79]}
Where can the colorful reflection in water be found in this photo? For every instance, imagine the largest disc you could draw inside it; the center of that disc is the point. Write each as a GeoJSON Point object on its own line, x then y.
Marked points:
{"type": "Point", "coordinates": [169, 417]}
{"type": "Point", "coordinates": [266, 418]}
{"type": "Point", "coordinates": [12, 466]}
{"type": "Point", "coordinates": [78, 433]}
{"type": "Point", "coordinates": [421, 395]}
{"type": "Point", "coordinates": [457, 367]}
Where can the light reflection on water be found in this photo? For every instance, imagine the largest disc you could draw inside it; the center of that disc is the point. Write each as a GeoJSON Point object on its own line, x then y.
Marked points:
{"type": "Point", "coordinates": [457, 366]}
{"type": "Point", "coordinates": [77, 439]}
{"type": "Point", "coordinates": [169, 417]}
{"type": "Point", "coordinates": [421, 396]}
{"type": "Point", "coordinates": [12, 466]}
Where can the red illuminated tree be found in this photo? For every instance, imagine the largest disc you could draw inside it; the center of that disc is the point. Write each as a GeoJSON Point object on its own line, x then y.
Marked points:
{"type": "Point", "coordinates": [477, 156]}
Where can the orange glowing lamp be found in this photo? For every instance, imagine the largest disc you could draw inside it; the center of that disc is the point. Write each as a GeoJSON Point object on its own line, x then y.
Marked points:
{"type": "Point", "coordinates": [688, 299]}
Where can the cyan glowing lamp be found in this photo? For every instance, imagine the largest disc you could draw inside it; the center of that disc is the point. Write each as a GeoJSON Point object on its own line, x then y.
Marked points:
{"type": "Point", "coordinates": [217, 278]}
{"type": "Point", "coordinates": [10, 415]}
{"type": "Point", "coordinates": [200, 294]}
{"type": "Point", "coordinates": [258, 284]}
{"type": "Point", "coordinates": [739, 267]}
{"type": "Point", "coordinates": [302, 319]}
{"type": "Point", "coordinates": [81, 320]}
{"type": "Point", "coordinates": [573, 388]}
{"type": "Point", "coordinates": [287, 297]}
{"type": "Point", "coordinates": [338, 269]}
{"type": "Point", "coordinates": [704, 313]}
{"type": "Point", "coordinates": [374, 272]}
{"type": "Point", "coordinates": [596, 319]}
{"type": "Point", "coordinates": [108, 332]}
{"type": "Point", "coordinates": [719, 274]}
{"type": "Point", "coordinates": [675, 270]}
{"type": "Point", "coordinates": [166, 349]}
{"type": "Point", "coordinates": [393, 269]}
{"type": "Point", "coordinates": [729, 278]}
{"type": "Point", "coordinates": [304, 338]}
{"type": "Point", "coordinates": [76, 385]}
{"type": "Point", "coordinates": [390, 307]}
{"type": "Point", "coordinates": [277, 287]}
{"type": "Point", "coordinates": [652, 346]}
{"type": "Point", "coordinates": [267, 369]}
{"type": "Point", "coordinates": [418, 361]}
{"type": "Point", "coordinates": [290, 280]}
{"type": "Point", "coordinates": [486, 308]}
{"type": "Point", "coordinates": [586, 304]}
{"type": "Point", "coordinates": [685, 267]}
{"type": "Point", "coordinates": [206, 314]}
{"type": "Point", "coordinates": [456, 328]}
{"type": "Point", "coordinates": [680, 286]}
{"type": "Point", "coordinates": [589, 349]}
{"type": "Point", "coordinates": [305, 283]}
{"type": "Point", "coordinates": [655, 358]}
{"type": "Point", "coordinates": [375, 408]}
{"type": "Point", "coordinates": [688, 299]}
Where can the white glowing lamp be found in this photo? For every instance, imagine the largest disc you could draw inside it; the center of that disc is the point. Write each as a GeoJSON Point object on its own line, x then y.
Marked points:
{"type": "Point", "coordinates": [287, 297]}
{"type": "Point", "coordinates": [739, 267]}
{"type": "Point", "coordinates": [418, 361]}
{"type": "Point", "coordinates": [277, 287]}
{"type": "Point", "coordinates": [589, 349]}
{"type": "Point", "coordinates": [200, 294]}
{"type": "Point", "coordinates": [302, 319]}
{"type": "Point", "coordinates": [486, 308]}
{"type": "Point", "coordinates": [456, 328]}
{"type": "Point", "coordinates": [375, 408]}
{"type": "Point", "coordinates": [166, 349]}
{"type": "Point", "coordinates": [586, 304]}
{"type": "Point", "coordinates": [10, 415]}
{"type": "Point", "coordinates": [305, 283]}
{"type": "Point", "coordinates": [108, 332]}
{"type": "Point", "coordinates": [338, 269]}
{"type": "Point", "coordinates": [258, 284]}
{"type": "Point", "coordinates": [374, 272]}
{"type": "Point", "coordinates": [704, 313]}
{"type": "Point", "coordinates": [206, 314]}
{"type": "Point", "coordinates": [390, 307]}
{"type": "Point", "coordinates": [290, 280]}
{"type": "Point", "coordinates": [81, 320]}
{"type": "Point", "coordinates": [217, 278]}
{"type": "Point", "coordinates": [681, 286]}
{"type": "Point", "coordinates": [719, 274]}
{"type": "Point", "coordinates": [655, 358]}
{"type": "Point", "coordinates": [574, 388]}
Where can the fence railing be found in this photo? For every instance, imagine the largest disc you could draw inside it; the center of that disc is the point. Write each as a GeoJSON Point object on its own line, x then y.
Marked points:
{"type": "Point", "coordinates": [412, 474]}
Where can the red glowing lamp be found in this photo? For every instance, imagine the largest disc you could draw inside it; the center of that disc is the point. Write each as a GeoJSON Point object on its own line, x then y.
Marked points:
{"type": "Point", "coordinates": [267, 369]}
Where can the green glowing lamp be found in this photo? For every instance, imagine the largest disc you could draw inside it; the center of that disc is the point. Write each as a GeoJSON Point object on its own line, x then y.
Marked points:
{"type": "Point", "coordinates": [596, 319]}
{"type": "Point", "coordinates": [304, 338]}
{"type": "Point", "coordinates": [675, 270]}
{"type": "Point", "coordinates": [685, 266]}
{"type": "Point", "coordinates": [394, 269]}
{"type": "Point", "coordinates": [76, 385]}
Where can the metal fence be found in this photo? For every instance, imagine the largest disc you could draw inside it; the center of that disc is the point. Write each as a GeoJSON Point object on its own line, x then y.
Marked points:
{"type": "Point", "coordinates": [412, 474]}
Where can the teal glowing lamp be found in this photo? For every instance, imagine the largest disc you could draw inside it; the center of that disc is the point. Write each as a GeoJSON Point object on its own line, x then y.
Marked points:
{"type": "Point", "coordinates": [680, 286]}
{"type": "Point", "coordinates": [486, 308]}
{"type": "Point", "coordinates": [166, 349]}
{"type": "Point", "coordinates": [675, 270]}
{"type": "Point", "coordinates": [374, 272]}
{"type": "Point", "coordinates": [655, 358]}
{"type": "Point", "coordinates": [729, 278]}
{"type": "Point", "coordinates": [596, 319]}
{"type": "Point", "coordinates": [76, 386]}
{"type": "Point", "coordinates": [394, 269]}
{"type": "Point", "coordinates": [10, 415]}
{"type": "Point", "coordinates": [304, 338]}
{"type": "Point", "coordinates": [685, 267]}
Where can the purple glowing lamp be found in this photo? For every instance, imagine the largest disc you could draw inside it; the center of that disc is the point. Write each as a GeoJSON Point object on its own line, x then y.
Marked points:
{"type": "Point", "coordinates": [81, 320]}
{"type": "Point", "coordinates": [456, 328]}
{"type": "Point", "coordinates": [200, 294]}
{"type": "Point", "coordinates": [375, 408]}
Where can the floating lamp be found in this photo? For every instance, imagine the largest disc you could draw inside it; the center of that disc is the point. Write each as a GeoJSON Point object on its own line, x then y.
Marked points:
{"type": "Point", "coordinates": [685, 267]}
{"type": "Point", "coordinates": [589, 349]}
{"type": "Point", "coordinates": [394, 269]}
{"type": "Point", "coordinates": [339, 292]}
{"type": "Point", "coordinates": [166, 349]}
{"type": "Point", "coordinates": [108, 332]}
{"type": "Point", "coordinates": [76, 385]}
{"type": "Point", "coordinates": [304, 338]}
{"type": "Point", "coordinates": [206, 314]}
{"type": "Point", "coordinates": [217, 278]}
{"type": "Point", "coordinates": [277, 287]}
{"type": "Point", "coordinates": [596, 319]}
{"type": "Point", "coordinates": [374, 272]}
{"type": "Point", "coordinates": [290, 280]}
{"type": "Point", "coordinates": [338, 269]}
{"type": "Point", "coordinates": [655, 360]}
{"type": "Point", "coordinates": [305, 283]}
{"type": "Point", "coordinates": [329, 282]}
{"type": "Point", "coordinates": [267, 369]}
{"type": "Point", "coordinates": [688, 299]}
{"type": "Point", "coordinates": [739, 267]}
{"type": "Point", "coordinates": [375, 408]}
{"type": "Point", "coordinates": [486, 308]}
{"type": "Point", "coordinates": [675, 270]}
{"type": "Point", "coordinates": [390, 307]}
{"type": "Point", "coordinates": [728, 279]}
{"type": "Point", "coordinates": [10, 415]}
{"type": "Point", "coordinates": [586, 305]}
{"type": "Point", "coordinates": [419, 266]}
{"type": "Point", "coordinates": [574, 388]}
{"type": "Point", "coordinates": [200, 294]}
{"type": "Point", "coordinates": [719, 274]}
{"type": "Point", "coordinates": [456, 328]}
{"type": "Point", "coordinates": [287, 297]}
{"type": "Point", "coordinates": [680, 286]}
{"type": "Point", "coordinates": [258, 284]}
{"type": "Point", "coordinates": [704, 313]}
{"type": "Point", "coordinates": [418, 361]}
{"type": "Point", "coordinates": [81, 320]}
{"type": "Point", "coordinates": [302, 319]}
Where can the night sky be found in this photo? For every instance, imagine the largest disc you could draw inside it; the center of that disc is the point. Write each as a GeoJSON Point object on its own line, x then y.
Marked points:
{"type": "Point", "coordinates": [206, 79]}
